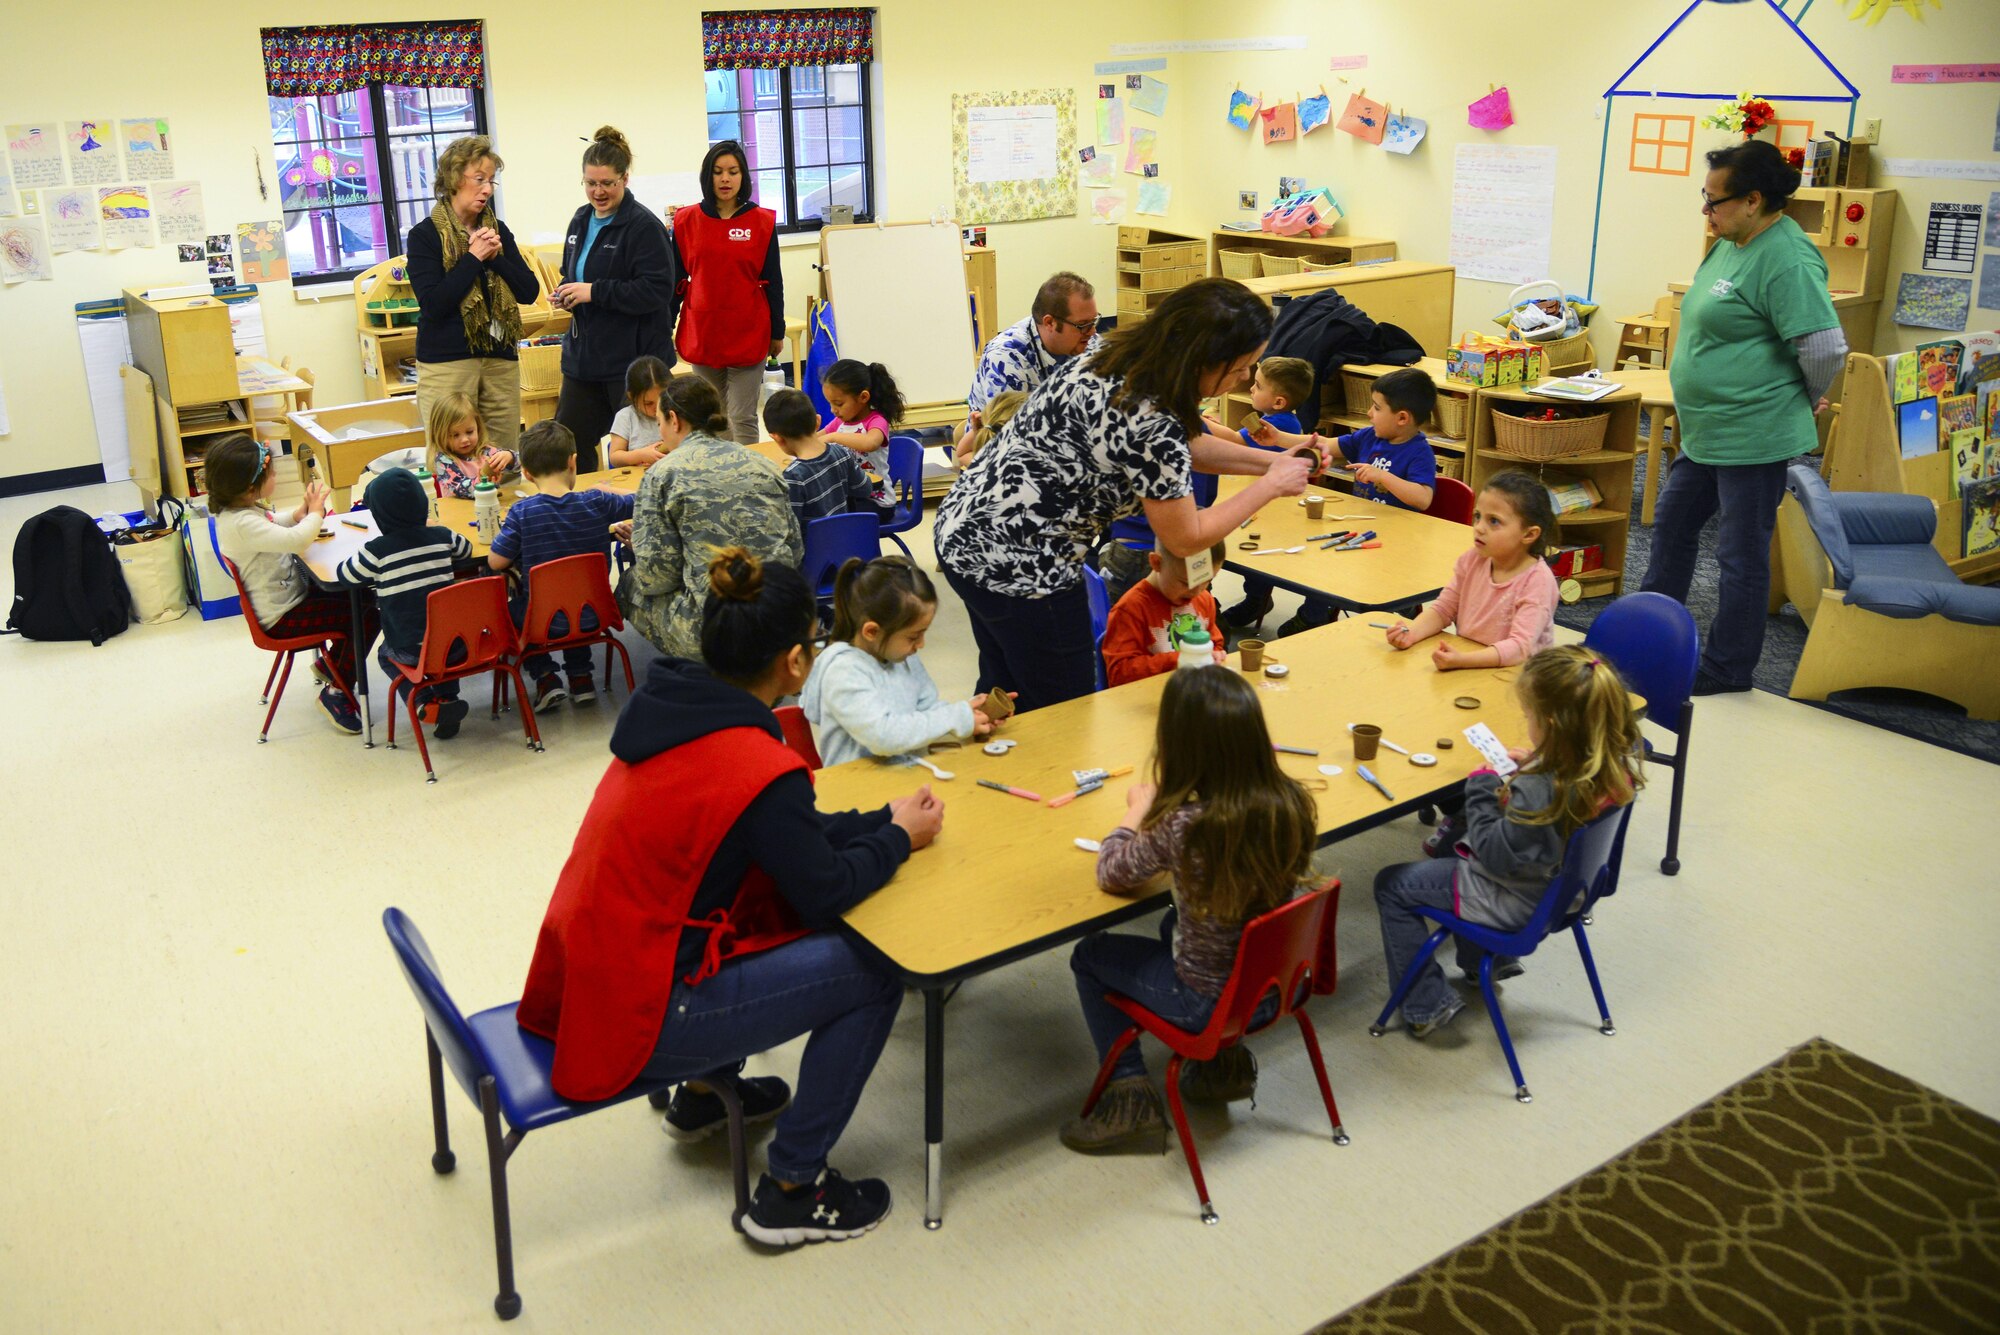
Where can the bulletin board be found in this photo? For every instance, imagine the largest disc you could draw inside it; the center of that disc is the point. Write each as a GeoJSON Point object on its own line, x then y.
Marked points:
{"type": "Point", "coordinates": [1013, 155]}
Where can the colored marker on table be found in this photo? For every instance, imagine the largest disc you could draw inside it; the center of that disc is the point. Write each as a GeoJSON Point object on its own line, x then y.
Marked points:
{"type": "Point", "coordinates": [1369, 775]}
{"type": "Point", "coordinates": [1003, 788]}
{"type": "Point", "coordinates": [1357, 540]}
{"type": "Point", "coordinates": [1294, 750]}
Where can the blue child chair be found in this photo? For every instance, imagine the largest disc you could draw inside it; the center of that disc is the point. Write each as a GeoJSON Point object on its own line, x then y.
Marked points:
{"type": "Point", "coordinates": [906, 484]}
{"type": "Point", "coordinates": [1589, 873]}
{"type": "Point", "coordinates": [506, 1071]}
{"type": "Point", "coordinates": [829, 541]}
{"type": "Point", "coordinates": [1100, 614]}
{"type": "Point", "coordinates": [1653, 642]}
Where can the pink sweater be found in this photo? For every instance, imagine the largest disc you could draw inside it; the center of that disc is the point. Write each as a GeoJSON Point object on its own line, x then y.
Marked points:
{"type": "Point", "coordinates": [1517, 618]}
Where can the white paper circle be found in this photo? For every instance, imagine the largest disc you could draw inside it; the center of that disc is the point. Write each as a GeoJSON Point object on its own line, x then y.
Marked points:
{"type": "Point", "coordinates": [1423, 758]}
{"type": "Point", "coordinates": [1329, 770]}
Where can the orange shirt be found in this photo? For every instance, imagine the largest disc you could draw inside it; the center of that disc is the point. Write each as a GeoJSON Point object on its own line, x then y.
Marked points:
{"type": "Point", "coordinates": [1136, 645]}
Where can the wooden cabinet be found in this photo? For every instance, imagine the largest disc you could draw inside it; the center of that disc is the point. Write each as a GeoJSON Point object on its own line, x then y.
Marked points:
{"type": "Point", "coordinates": [1415, 294]}
{"type": "Point", "coordinates": [1320, 251]}
{"type": "Point", "coordinates": [184, 345]}
{"type": "Point", "coordinates": [385, 316]}
{"type": "Point", "coordinates": [1609, 467]}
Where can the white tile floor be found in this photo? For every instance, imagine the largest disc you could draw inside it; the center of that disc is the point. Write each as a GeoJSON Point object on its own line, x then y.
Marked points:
{"type": "Point", "coordinates": [215, 1112]}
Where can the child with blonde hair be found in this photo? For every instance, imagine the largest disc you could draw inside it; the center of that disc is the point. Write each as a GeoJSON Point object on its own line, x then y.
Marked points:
{"type": "Point", "coordinates": [458, 453]}
{"type": "Point", "coordinates": [1581, 760]}
{"type": "Point", "coordinates": [985, 424]}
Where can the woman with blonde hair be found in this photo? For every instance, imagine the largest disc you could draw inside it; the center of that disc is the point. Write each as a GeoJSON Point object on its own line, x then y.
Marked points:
{"type": "Point", "coordinates": [470, 281]}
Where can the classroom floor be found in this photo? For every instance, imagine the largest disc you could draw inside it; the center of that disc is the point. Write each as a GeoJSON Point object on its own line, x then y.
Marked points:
{"type": "Point", "coordinates": [216, 1114]}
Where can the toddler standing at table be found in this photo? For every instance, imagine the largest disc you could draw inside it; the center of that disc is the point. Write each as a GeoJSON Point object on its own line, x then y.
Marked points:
{"type": "Point", "coordinates": [868, 694]}
{"type": "Point", "coordinates": [1581, 760]}
{"type": "Point", "coordinates": [1238, 835]}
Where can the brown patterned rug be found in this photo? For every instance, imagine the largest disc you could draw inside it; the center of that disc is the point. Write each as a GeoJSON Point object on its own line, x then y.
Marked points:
{"type": "Point", "coordinates": [1823, 1193]}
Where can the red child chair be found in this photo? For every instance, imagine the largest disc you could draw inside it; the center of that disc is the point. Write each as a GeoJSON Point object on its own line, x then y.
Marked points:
{"type": "Point", "coordinates": [565, 588]}
{"type": "Point", "coordinates": [473, 613]}
{"type": "Point", "coordinates": [798, 733]}
{"type": "Point", "coordinates": [1451, 499]}
{"type": "Point", "coordinates": [1283, 949]}
{"type": "Point", "coordinates": [284, 649]}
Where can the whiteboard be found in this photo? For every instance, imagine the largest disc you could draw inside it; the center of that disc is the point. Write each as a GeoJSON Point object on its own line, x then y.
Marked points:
{"type": "Point", "coordinates": [899, 298]}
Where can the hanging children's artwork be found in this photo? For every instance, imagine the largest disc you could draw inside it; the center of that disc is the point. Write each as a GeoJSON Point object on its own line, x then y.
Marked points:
{"type": "Point", "coordinates": [1495, 111]}
{"type": "Point", "coordinates": [1930, 301]}
{"type": "Point", "coordinates": [178, 210]}
{"type": "Point", "coordinates": [1110, 121]}
{"type": "Point", "coordinates": [149, 154]}
{"type": "Point", "coordinates": [127, 214]}
{"type": "Point", "coordinates": [260, 251]}
{"type": "Point", "coordinates": [24, 252]}
{"type": "Point", "coordinates": [1096, 169]}
{"type": "Point", "coordinates": [1403, 133]}
{"type": "Point", "coordinates": [1281, 123]}
{"type": "Point", "coordinates": [1364, 118]}
{"type": "Point", "coordinates": [93, 151]}
{"type": "Point", "coordinates": [1313, 113]}
{"type": "Point", "coordinates": [1153, 197]}
{"type": "Point", "coordinates": [37, 153]}
{"type": "Point", "coordinates": [1243, 109]}
{"type": "Point", "coordinates": [1142, 150]}
{"type": "Point", "coordinates": [1107, 206]}
{"type": "Point", "coordinates": [1147, 94]}
{"type": "Point", "coordinates": [72, 219]}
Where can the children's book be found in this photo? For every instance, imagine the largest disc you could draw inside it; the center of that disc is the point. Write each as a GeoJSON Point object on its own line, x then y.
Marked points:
{"type": "Point", "coordinates": [1940, 362]}
{"type": "Point", "coordinates": [1905, 378]}
{"type": "Point", "coordinates": [1968, 460]}
{"type": "Point", "coordinates": [1955, 413]}
{"type": "Point", "coordinates": [1918, 428]}
{"type": "Point", "coordinates": [1980, 347]}
{"type": "Point", "coordinates": [1980, 510]}
{"type": "Point", "coordinates": [1581, 388]}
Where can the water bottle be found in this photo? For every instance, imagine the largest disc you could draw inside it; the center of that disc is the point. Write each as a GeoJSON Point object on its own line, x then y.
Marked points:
{"type": "Point", "coordinates": [485, 509]}
{"type": "Point", "coordinates": [424, 480]}
{"type": "Point", "coordinates": [774, 380]}
{"type": "Point", "coordinates": [1197, 648]}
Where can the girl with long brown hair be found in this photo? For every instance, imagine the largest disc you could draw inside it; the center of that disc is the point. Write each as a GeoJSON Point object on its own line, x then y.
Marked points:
{"type": "Point", "coordinates": [1237, 834]}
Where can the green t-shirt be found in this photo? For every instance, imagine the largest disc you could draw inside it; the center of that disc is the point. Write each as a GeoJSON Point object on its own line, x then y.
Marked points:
{"type": "Point", "coordinates": [1738, 391]}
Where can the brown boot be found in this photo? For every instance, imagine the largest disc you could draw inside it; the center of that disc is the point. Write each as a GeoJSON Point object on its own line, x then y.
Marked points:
{"type": "Point", "coordinates": [1230, 1078]}
{"type": "Point", "coordinates": [1126, 1120]}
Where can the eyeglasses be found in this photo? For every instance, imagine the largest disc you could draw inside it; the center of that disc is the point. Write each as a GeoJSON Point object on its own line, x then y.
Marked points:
{"type": "Point", "coordinates": [1708, 203]}
{"type": "Point", "coordinates": [1081, 326]}
{"type": "Point", "coordinates": [589, 184]}
{"type": "Point", "coordinates": [819, 642]}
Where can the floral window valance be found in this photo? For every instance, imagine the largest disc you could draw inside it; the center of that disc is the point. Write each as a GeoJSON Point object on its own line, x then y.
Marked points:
{"type": "Point", "coordinates": [310, 62]}
{"type": "Point", "coordinates": [766, 39]}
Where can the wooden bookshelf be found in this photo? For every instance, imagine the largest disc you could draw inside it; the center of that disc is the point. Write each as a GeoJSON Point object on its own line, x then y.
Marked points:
{"type": "Point", "coordinates": [1608, 523]}
{"type": "Point", "coordinates": [385, 318]}
{"type": "Point", "coordinates": [1321, 250]}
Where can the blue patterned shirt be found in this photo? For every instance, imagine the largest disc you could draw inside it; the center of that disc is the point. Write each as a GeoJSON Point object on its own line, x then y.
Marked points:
{"type": "Point", "coordinates": [1014, 359]}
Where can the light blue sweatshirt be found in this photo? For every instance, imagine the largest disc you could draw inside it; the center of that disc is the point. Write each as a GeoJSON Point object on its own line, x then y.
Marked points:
{"type": "Point", "coordinates": [861, 706]}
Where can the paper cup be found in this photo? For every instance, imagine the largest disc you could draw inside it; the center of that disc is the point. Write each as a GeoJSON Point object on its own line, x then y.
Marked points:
{"type": "Point", "coordinates": [1252, 652]}
{"type": "Point", "coordinates": [1366, 738]}
{"type": "Point", "coordinates": [1315, 507]}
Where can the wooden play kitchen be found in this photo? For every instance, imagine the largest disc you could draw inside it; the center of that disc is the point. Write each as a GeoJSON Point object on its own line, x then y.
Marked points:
{"type": "Point", "coordinates": [385, 319]}
{"type": "Point", "coordinates": [336, 445]}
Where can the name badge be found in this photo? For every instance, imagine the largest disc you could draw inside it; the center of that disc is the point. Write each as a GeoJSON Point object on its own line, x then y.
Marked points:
{"type": "Point", "coordinates": [1200, 568]}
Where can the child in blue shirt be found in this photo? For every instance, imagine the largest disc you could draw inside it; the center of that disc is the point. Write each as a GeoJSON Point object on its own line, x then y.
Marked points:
{"type": "Point", "coordinates": [1281, 388]}
{"type": "Point", "coordinates": [554, 523]}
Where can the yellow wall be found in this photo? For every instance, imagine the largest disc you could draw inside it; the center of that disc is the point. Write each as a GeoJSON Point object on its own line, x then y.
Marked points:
{"type": "Point", "coordinates": [547, 92]}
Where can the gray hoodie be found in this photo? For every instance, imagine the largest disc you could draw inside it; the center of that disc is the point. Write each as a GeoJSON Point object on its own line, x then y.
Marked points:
{"type": "Point", "coordinates": [1507, 863]}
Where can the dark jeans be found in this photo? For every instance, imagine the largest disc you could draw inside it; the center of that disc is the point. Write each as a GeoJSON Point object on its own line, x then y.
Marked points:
{"type": "Point", "coordinates": [1142, 968]}
{"type": "Point", "coordinates": [576, 661]}
{"type": "Point", "coordinates": [586, 407]}
{"type": "Point", "coordinates": [817, 985]}
{"type": "Point", "coordinates": [444, 690]}
{"type": "Point", "coordinates": [1039, 647]}
{"type": "Point", "coordinates": [1399, 891]}
{"type": "Point", "coordinates": [1748, 496]}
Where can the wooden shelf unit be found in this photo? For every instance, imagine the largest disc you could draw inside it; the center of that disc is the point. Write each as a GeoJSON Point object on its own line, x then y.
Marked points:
{"type": "Point", "coordinates": [1608, 523]}
{"type": "Point", "coordinates": [1153, 263]}
{"type": "Point", "coordinates": [388, 334]}
{"type": "Point", "coordinates": [1415, 294]}
{"type": "Point", "coordinates": [1318, 249]}
{"type": "Point", "coordinates": [167, 448]}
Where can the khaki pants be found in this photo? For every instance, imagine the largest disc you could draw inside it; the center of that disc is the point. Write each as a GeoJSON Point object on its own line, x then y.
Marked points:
{"type": "Point", "coordinates": [738, 387]}
{"type": "Point", "coordinates": [493, 383]}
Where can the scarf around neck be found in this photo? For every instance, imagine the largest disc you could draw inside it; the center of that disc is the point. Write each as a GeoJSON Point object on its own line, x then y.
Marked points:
{"type": "Point", "coordinates": [485, 304]}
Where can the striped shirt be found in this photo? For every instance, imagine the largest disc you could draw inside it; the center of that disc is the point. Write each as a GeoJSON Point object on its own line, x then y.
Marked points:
{"type": "Point", "coordinates": [404, 567]}
{"type": "Point", "coordinates": [548, 528]}
{"type": "Point", "coordinates": [833, 484]}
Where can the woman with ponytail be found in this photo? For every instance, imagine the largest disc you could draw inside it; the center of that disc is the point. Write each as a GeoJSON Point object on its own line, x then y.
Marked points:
{"type": "Point", "coordinates": [675, 950]}
{"type": "Point", "coordinates": [731, 290]}
{"type": "Point", "coordinates": [618, 286]}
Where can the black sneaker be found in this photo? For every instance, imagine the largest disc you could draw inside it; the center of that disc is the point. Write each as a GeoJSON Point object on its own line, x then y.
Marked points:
{"type": "Point", "coordinates": [582, 690]}
{"type": "Point", "coordinates": [549, 692]}
{"type": "Point", "coordinates": [450, 713]}
{"type": "Point", "coordinates": [831, 1210]}
{"type": "Point", "coordinates": [697, 1114]}
{"type": "Point", "coordinates": [1704, 684]}
{"type": "Point", "coordinates": [1246, 616]}
{"type": "Point", "coordinates": [341, 711]}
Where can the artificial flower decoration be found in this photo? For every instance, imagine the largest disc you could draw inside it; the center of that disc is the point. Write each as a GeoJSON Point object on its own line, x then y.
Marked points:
{"type": "Point", "coordinates": [1746, 115]}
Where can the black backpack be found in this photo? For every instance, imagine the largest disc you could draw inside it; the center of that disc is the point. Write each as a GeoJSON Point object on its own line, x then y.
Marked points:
{"type": "Point", "coordinates": [67, 583]}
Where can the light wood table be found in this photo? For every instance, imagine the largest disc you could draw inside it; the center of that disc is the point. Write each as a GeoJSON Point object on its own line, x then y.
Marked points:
{"type": "Point", "coordinates": [1415, 294]}
{"type": "Point", "coordinates": [1656, 396]}
{"type": "Point", "coordinates": [1413, 562]}
{"type": "Point", "coordinates": [1004, 880]}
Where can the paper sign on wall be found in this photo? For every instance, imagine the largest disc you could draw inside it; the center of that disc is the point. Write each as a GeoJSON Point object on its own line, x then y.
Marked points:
{"type": "Point", "coordinates": [1503, 201]}
{"type": "Point", "coordinates": [1951, 241]}
{"type": "Point", "coordinates": [36, 149]}
{"type": "Point", "coordinates": [1927, 302]}
{"type": "Point", "coordinates": [1010, 143]}
{"type": "Point", "coordinates": [1495, 111]}
{"type": "Point", "coordinates": [1281, 123]}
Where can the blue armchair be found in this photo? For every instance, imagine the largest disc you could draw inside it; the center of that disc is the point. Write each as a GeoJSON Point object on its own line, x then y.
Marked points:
{"type": "Point", "coordinates": [1882, 606]}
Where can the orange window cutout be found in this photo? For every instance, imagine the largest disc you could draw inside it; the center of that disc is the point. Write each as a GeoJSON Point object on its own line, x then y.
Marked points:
{"type": "Point", "coordinates": [1662, 145]}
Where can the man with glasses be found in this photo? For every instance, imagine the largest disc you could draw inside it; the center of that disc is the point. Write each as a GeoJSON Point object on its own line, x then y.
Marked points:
{"type": "Point", "coordinates": [1062, 323]}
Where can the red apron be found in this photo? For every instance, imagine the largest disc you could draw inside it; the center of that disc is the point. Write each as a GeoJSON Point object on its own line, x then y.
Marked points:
{"type": "Point", "coordinates": [725, 314]}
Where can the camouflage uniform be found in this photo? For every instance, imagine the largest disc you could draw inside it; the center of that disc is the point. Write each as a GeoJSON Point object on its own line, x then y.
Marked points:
{"type": "Point", "coordinates": [706, 495]}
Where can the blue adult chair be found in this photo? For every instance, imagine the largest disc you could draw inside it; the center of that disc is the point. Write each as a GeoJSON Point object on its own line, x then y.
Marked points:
{"type": "Point", "coordinates": [1589, 873]}
{"type": "Point", "coordinates": [505, 1070]}
{"type": "Point", "coordinates": [906, 483]}
{"type": "Point", "coordinates": [1653, 642]}
{"type": "Point", "coordinates": [1100, 614]}
{"type": "Point", "coordinates": [829, 541]}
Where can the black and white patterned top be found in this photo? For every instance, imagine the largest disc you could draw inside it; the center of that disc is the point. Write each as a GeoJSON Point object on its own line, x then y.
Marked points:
{"type": "Point", "coordinates": [1030, 506]}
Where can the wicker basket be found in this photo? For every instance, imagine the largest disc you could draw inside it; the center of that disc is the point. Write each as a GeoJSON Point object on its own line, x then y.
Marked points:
{"type": "Point", "coordinates": [1238, 262]}
{"type": "Point", "coordinates": [541, 368]}
{"type": "Point", "coordinates": [1567, 356]}
{"type": "Point", "coordinates": [1359, 390]}
{"type": "Point", "coordinates": [1313, 266]}
{"type": "Point", "coordinates": [1450, 416]}
{"type": "Point", "coordinates": [1540, 442]}
{"type": "Point", "coordinates": [1281, 264]}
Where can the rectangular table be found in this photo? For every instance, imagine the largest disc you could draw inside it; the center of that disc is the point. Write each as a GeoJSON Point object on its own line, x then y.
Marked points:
{"type": "Point", "coordinates": [1412, 564]}
{"type": "Point", "coordinates": [1004, 880]}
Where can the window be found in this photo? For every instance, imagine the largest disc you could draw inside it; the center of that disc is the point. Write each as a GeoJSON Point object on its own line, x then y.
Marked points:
{"type": "Point", "coordinates": [793, 87]}
{"type": "Point", "coordinates": [1794, 134]}
{"type": "Point", "coordinates": [358, 117]}
{"type": "Point", "coordinates": [1663, 145]}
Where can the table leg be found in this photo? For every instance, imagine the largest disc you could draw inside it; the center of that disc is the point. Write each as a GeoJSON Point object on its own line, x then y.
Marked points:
{"type": "Point", "coordinates": [1655, 429]}
{"type": "Point", "coordinates": [355, 595]}
{"type": "Point", "coordinates": [934, 999]}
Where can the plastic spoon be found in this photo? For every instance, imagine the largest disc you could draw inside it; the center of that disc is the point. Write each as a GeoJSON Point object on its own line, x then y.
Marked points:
{"type": "Point", "coordinates": [944, 775]}
{"type": "Point", "coordinates": [1275, 551]}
